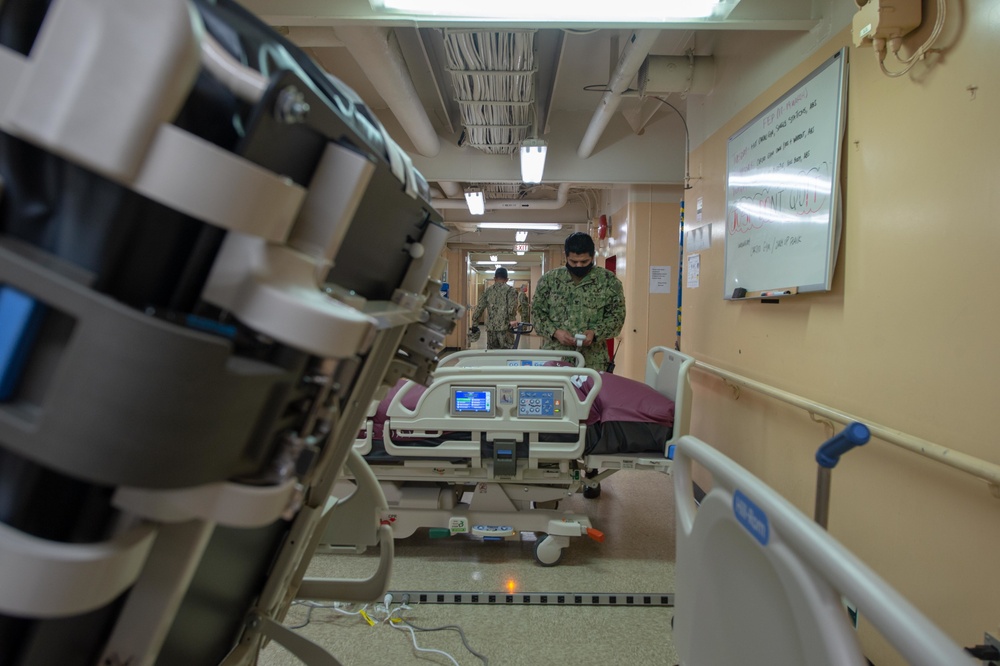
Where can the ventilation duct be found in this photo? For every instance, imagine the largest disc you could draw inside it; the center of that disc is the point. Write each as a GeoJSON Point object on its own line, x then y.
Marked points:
{"type": "Point", "coordinates": [378, 54]}
{"type": "Point", "coordinates": [631, 59]}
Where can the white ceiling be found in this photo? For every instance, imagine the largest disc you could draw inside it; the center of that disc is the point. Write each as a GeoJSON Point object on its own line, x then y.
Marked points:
{"type": "Point", "coordinates": [644, 141]}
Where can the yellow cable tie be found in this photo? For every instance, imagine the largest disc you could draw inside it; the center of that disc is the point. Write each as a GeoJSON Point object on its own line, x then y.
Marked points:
{"type": "Point", "coordinates": [371, 622]}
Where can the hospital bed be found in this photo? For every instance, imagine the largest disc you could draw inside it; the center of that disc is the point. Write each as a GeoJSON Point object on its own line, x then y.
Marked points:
{"type": "Point", "coordinates": [760, 584]}
{"type": "Point", "coordinates": [194, 322]}
{"type": "Point", "coordinates": [499, 437]}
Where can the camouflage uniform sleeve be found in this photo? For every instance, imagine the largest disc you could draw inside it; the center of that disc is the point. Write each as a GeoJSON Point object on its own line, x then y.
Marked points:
{"type": "Point", "coordinates": [512, 304]}
{"type": "Point", "coordinates": [480, 306]}
{"type": "Point", "coordinates": [614, 310]}
{"type": "Point", "coordinates": [544, 326]}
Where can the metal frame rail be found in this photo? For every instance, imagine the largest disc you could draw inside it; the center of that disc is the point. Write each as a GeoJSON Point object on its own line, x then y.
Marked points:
{"type": "Point", "coordinates": [982, 469]}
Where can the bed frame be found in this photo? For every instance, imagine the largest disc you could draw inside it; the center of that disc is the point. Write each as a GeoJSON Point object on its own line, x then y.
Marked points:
{"type": "Point", "coordinates": [456, 485]}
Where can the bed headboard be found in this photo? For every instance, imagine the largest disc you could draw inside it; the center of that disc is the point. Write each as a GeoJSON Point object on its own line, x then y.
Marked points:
{"type": "Point", "coordinates": [669, 376]}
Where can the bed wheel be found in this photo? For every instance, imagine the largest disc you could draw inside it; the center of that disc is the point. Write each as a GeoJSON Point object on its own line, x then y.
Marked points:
{"type": "Point", "coordinates": [548, 552]}
{"type": "Point", "coordinates": [592, 492]}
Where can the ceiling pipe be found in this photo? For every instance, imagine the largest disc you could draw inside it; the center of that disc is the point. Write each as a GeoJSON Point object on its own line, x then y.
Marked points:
{"type": "Point", "coordinates": [511, 204]}
{"type": "Point", "coordinates": [629, 62]}
{"type": "Point", "coordinates": [380, 58]}
{"type": "Point", "coordinates": [451, 189]}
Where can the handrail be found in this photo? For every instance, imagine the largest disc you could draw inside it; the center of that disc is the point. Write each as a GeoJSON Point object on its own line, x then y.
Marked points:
{"type": "Point", "coordinates": [982, 469]}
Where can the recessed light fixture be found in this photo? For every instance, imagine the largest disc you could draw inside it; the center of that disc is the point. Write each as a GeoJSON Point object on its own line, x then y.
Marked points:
{"type": "Point", "coordinates": [476, 201]}
{"type": "Point", "coordinates": [532, 160]}
{"type": "Point", "coordinates": [539, 226]}
{"type": "Point", "coordinates": [624, 11]}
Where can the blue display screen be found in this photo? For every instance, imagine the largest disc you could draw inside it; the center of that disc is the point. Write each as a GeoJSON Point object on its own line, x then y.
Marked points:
{"type": "Point", "coordinates": [474, 402]}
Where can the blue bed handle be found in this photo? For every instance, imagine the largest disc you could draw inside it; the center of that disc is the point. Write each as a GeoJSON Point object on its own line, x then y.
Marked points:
{"type": "Point", "coordinates": [828, 454]}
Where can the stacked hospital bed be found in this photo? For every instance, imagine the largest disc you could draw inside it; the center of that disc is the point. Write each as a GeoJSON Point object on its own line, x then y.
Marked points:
{"type": "Point", "coordinates": [194, 321]}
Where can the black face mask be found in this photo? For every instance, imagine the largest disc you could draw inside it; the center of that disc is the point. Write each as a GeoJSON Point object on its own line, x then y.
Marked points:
{"type": "Point", "coordinates": [579, 271]}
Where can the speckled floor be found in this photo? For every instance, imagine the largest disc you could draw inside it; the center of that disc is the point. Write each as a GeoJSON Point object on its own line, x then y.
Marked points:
{"type": "Point", "coordinates": [635, 511]}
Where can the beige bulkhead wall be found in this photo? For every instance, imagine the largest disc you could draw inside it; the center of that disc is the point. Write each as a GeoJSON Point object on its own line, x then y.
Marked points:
{"type": "Point", "coordinates": [907, 338]}
{"type": "Point", "coordinates": [642, 235]}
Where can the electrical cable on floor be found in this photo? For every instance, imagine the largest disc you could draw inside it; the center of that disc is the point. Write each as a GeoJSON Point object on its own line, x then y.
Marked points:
{"type": "Point", "coordinates": [413, 637]}
{"type": "Point", "coordinates": [312, 605]}
{"type": "Point", "coordinates": [453, 627]}
{"type": "Point", "coordinates": [394, 622]}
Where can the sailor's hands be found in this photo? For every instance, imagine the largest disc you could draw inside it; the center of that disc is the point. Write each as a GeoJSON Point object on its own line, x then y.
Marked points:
{"type": "Point", "coordinates": [564, 338]}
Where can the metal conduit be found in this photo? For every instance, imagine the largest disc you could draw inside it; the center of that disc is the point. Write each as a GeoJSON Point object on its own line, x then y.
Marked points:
{"type": "Point", "coordinates": [982, 469]}
{"type": "Point", "coordinates": [631, 59]}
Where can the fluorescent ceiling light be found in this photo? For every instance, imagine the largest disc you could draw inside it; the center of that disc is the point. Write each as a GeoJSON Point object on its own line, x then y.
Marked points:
{"type": "Point", "coordinates": [520, 254]}
{"type": "Point", "coordinates": [532, 160]}
{"type": "Point", "coordinates": [476, 201]}
{"type": "Point", "coordinates": [623, 11]}
{"type": "Point", "coordinates": [496, 263]}
{"type": "Point", "coordinates": [543, 226]}
{"type": "Point", "coordinates": [521, 236]}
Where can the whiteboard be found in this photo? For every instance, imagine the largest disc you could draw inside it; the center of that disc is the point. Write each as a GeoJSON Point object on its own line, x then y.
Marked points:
{"type": "Point", "coordinates": [782, 190]}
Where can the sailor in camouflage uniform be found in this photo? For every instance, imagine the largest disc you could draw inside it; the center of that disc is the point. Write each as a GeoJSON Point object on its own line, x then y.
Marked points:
{"type": "Point", "coordinates": [579, 298]}
{"type": "Point", "coordinates": [501, 301]}
{"type": "Point", "coordinates": [524, 304]}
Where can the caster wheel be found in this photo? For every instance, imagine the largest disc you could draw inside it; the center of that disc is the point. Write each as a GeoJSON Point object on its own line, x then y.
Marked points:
{"type": "Point", "coordinates": [547, 552]}
{"type": "Point", "coordinates": [592, 492]}
{"type": "Point", "coordinates": [551, 505]}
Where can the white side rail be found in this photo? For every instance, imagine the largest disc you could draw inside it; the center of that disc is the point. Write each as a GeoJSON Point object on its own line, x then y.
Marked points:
{"type": "Point", "coordinates": [759, 583]}
{"type": "Point", "coordinates": [481, 358]}
{"type": "Point", "coordinates": [670, 376]}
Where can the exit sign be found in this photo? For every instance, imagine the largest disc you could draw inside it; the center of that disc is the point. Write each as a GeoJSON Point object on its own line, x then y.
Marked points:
{"type": "Point", "coordinates": [520, 247]}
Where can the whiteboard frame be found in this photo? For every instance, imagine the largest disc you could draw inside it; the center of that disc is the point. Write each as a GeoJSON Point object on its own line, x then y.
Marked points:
{"type": "Point", "coordinates": [835, 221]}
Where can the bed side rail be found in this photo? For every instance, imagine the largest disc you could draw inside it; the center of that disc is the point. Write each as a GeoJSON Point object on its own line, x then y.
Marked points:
{"type": "Point", "coordinates": [481, 358]}
{"type": "Point", "coordinates": [769, 540]}
{"type": "Point", "coordinates": [670, 377]}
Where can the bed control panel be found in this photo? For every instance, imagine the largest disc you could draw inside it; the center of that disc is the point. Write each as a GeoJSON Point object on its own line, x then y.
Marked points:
{"type": "Point", "coordinates": [472, 401]}
{"type": "Point", "coordinates": [540, 403]}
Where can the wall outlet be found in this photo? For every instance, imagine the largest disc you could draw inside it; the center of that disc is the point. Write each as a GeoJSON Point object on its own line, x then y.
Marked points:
{"type": "Point", "coordinates": [885, 19]}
